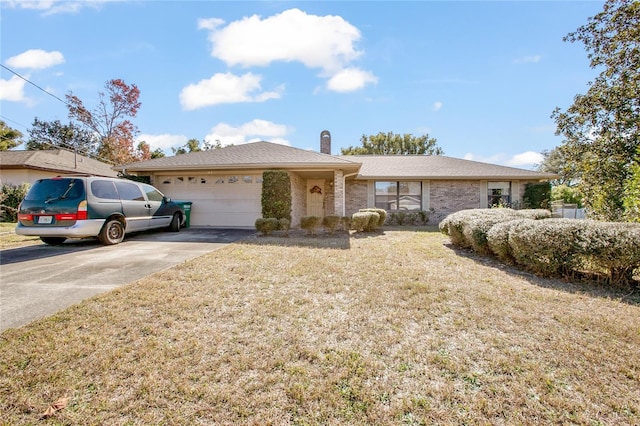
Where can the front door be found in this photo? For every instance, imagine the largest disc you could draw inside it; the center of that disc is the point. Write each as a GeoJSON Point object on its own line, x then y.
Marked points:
{"type": "Point", "coordinates": [315, 197]}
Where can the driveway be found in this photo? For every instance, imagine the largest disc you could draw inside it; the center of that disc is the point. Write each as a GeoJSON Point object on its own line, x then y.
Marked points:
{"type": "Point", "coordinates": [37, 281]}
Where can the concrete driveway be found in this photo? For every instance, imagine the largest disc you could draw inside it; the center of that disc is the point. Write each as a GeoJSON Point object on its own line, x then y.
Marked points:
{"type": "Point", "coordinates": [37, 281]}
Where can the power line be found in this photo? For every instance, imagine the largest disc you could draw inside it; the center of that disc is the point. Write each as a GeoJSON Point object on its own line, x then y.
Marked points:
{"type": "Point", "coordinates": [33, 84]}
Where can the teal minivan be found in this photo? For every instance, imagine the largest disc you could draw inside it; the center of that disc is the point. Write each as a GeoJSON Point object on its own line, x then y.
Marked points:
{"type": "Point", "coordinates": [90, 206]}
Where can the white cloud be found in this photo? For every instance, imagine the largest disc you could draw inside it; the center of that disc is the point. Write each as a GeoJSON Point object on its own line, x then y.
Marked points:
{"type": "Point", "coordinates": [226, 88]}
{"type": "Point", "coordinates": [165, 142]}
{"type": "Point", "coordinates": [325, 42]}
{"type": "Point", "coordinates": [350, 79]}
{"type": "Point", "coordinates": [252, 131]}
{"type": "Point", "coordinates": [531, 59]}
{"type": "Point", "coordinates": [12, 89]}
{"type": "Point", "coordinates": [36, 59]}
{"type": "Point", "coordinates": [528, 158]}
{"type": "Point", "coordinates": [437, 106]}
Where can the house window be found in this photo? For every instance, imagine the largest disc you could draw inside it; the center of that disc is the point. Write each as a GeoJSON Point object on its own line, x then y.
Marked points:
{"type": "Point", "coordinates": [247, 179]}
{"type": "Point", "coordinates": [499, 193]}
{"type": "Point", "coordinates": [191, 179]}
{"type": "Point", "coordinates": [399, 195]}
{"type": "Point", "coordinates": [232, 179]}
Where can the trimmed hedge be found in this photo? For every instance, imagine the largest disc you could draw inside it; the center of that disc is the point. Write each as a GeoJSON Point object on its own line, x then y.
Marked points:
{"type": "Point", "coordinates": [382, 215]}
{"type": "Point", "coordinates": [267, 225]}
{"type": "Point", "coordinates": [365, 221]}
{"type": "Point", "coordinates": [550, 247]}
{"type": "Point", "coordinates": [310, 224]}
{"type": "Point", "coordinates": [331, 223]}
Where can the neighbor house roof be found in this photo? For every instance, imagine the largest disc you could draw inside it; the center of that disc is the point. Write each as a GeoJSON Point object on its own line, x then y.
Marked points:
{"type": "Point", "coordinates": [56, 161]}
{"type": "Point", "coordinates": [245, 156]}
{"type": "Point", "coordinates": [437, 167]}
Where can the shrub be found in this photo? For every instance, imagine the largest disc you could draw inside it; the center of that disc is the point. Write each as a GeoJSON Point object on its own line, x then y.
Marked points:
{"type": "Point", "coordinates": [360, 221]}
{"type": "Point", "coordinates": [498, 240]}
{"type": "Point", "coordinates": [547, 247]}
{"type": "Point", "coordinates": [345, 221]}
{"type": "Point", "coordinates": [310, 224]}
{"type": "Point", "coordinates": [468, 228]}
{"type": "Point", "coordinates": [610, 247]}
{"type": "Point", "coordinates": [284, 224]}
{"type": "Point", "coordinates": [276, 194]}
{"type": "Point", "coordinates": [401, 217]}
{"type": "Point", "coordinates": [382, 215]}
{"type": "Point", "coordinates": [267, 226]}
{"type": "Point", "coordinates": [331, 223]}
{"type": "Point", "coordinates": [10, 198]}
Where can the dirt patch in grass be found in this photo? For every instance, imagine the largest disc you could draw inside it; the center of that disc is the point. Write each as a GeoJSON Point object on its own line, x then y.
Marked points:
{"type": "Point", "coordinates": [391, 328]}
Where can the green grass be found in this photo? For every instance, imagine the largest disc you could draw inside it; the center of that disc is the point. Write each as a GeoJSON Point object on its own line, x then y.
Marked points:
{"type": "Point", "coordinates": [396, 327]}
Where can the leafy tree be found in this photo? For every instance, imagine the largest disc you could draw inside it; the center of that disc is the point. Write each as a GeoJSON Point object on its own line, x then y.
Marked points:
{"type": "Point", "coordinates": [556, 162]}
{"type": "Point", "coordinates": [568, 194]}
{"type": "Point", "coordinates": [9, 138]}
{"type": "Point", "coordinates": [193, 145]}
{"type": "Point", "coordinates": [54, 134]}
{"type": "Point", "coordinates": [631, 199]}
{"type": "Point", "coordinates": [392, 144]}
{"type": "Point", "coordinates": [602, 127]}
{"type": "Point", "coordinates": [158, 153]}
{"type": "Point", "coordinates": [109, 120]}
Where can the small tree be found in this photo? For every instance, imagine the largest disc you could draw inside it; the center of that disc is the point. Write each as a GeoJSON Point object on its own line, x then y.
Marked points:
{"type": "Point", "coordinates": [537, 195]}
{"type": "Point", "coordinates": [276, 194]}
{"type": "Point", "coordinates": [10, 198]}
{"type": "Point", "coordinates": [392, 144]}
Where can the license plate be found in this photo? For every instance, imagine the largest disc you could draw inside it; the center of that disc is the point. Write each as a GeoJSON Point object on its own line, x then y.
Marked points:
{"type": "Point", "coordinates": [45, 219]}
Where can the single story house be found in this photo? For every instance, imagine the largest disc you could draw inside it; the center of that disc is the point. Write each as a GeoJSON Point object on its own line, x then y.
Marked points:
{"type": "Point", "coordinates": [18, 167]}
{"type": "Point", "coordinates": [225, 184]}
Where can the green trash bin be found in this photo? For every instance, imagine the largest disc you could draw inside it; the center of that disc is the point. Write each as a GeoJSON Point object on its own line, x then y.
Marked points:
{"type": "Point", "coordinates": [186, 206]}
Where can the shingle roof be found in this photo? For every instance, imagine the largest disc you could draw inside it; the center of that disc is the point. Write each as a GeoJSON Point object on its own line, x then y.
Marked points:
{"type": "Point", "coordinates": [249, 155]}
{"type": "Point", "coordinates": [54, 160]}
{"type": "Point", "coordinates": [436, 167]}
{"type": "Point", "coordinates": [272, 155]}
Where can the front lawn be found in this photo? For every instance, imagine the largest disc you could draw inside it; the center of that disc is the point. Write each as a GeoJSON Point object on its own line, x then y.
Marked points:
{"type": "Point", "coordinates": [395, 327]}
{"type": "Point", "coordinates": [8, 237]}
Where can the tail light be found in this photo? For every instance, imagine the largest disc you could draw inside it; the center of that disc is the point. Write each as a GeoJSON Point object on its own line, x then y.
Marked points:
{"type": "Point", "coordinates": [82, 210]}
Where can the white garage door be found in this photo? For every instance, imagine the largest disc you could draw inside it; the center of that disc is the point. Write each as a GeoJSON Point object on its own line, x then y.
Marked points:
{"type": "Point", "coordinates": [218, 200]}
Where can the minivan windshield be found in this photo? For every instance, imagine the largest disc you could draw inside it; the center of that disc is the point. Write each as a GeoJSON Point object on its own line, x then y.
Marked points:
{"type": "Point", "coordinates": [55, 189]}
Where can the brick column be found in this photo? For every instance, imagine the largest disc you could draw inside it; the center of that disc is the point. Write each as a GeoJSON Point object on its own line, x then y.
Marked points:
{"type": "Point", "coordinates": [338, 190]}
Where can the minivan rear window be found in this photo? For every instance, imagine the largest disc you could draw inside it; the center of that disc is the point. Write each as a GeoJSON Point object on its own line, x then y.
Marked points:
{"type": "Point", "coordinates": [56, 189]}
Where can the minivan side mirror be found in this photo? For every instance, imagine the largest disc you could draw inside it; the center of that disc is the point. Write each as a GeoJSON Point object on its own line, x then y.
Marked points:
{"type": "Point", "coordinates": [166, 200]}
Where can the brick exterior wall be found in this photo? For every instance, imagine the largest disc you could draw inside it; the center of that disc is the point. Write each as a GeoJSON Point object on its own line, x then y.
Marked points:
{"type": "Point", "coordinates": [449, 196]}
{"type": "Point", "coordinates": [355, 196]}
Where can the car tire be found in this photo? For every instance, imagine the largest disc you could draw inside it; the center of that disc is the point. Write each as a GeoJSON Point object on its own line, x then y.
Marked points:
{"type": "Point", "coordinates": [53, 241]}
{"type": "Point", "coordinates": [174, 226]}
{"type": "Point", "coordinates": [112, 232]}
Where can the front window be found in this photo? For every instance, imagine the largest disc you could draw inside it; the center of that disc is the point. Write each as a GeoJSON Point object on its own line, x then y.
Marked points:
{"type": "Point", "coordinates": [399, 195]}
{"type": "Point", "coordinates": [499, 194]}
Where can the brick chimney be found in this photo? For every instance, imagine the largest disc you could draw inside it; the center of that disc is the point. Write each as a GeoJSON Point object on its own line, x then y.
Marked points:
{"type": "Point", "coordinates": [325, 142]}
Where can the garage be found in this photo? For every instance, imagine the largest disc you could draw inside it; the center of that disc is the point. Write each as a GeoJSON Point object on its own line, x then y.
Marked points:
{"type": "Point", "coordinates": [220, 200]}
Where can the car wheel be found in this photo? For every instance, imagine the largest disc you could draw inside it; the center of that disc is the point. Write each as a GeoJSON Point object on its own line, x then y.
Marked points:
{"type": "Point", "coordinates": [112, 232]}
{"type": "Point", "coordinates": [53, 241]}
{"type": "Point", "coordinates": [174, 226]}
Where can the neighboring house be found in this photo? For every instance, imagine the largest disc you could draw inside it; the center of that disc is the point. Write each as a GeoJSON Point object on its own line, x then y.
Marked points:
{"type": "Point", "coordinates": [18, 167]}
{"type": "Point", "coordinates": [225, 184]}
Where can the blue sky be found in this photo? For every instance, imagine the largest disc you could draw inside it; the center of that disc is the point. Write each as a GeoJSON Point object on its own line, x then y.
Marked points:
{"type": "Point", "coordinates": [480, 77]}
